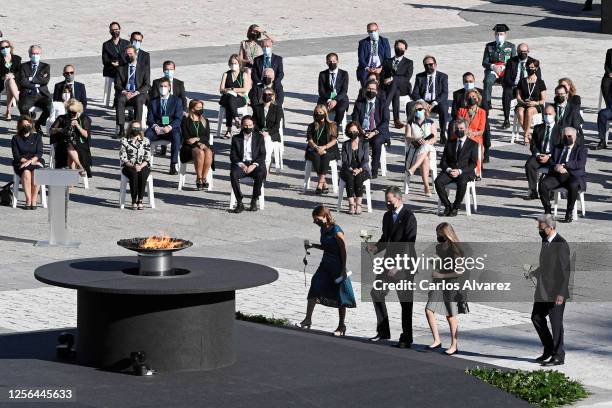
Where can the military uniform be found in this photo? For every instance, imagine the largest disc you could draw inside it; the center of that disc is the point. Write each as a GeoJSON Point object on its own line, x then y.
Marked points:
{"type": "Point", "coordinates": [493, 54]}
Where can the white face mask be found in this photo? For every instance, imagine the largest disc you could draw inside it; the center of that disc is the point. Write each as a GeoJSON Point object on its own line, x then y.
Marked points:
{"type": "Point", "coordinates": [163, 90]}
{"type": "Point", "coordinates": [549, 119]}
{"type": "Point", "coordinates": [500, 38]}
{"type": "Point", "coordinates": [235, 67]}
{"type": "Point", "coordinates": [65, 96]}
{"type": "Point", "coordinates": [469, 85]}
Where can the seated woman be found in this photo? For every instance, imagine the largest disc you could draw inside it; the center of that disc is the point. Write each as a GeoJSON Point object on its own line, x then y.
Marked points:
{"type": "Point", "coordinates": [476, 118]}
{"type": "Point", "coordinates": [9, 71]}
{"type": "Point", "coordinates": [268, 116]}
{"type": "Point", "coordinates": [530, 97]}
{"type": "Point", "coordinates": [195, 131]}
{"type": "Point", "coordinates": [322, 146]}
{"type": "Point", "coordinates": [59, 108]}
{"type": "Point", "coordinates": [355, 165]}
{"type": "Point", "coordinates": [27, 147]}
{"type": "Point", "coordinates": [135, 157]}
{"type": "Point", "coordinates": [421, 135]}
{"type": "Point", "coordinates": [252, 46]}
{"type": "Point", "coordinates": [571, 92]}
{"type": "Point", "coordinates": [234, 88]}
{"type": "Point", "coordinates": [71, 135]}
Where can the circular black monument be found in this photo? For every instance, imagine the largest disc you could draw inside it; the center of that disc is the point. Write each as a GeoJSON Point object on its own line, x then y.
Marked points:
{"type": "Point", "coordinates": [181, 315]}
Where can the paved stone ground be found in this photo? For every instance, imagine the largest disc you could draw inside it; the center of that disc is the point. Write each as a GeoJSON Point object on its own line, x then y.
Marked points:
{"type": "Point", "coordinates": [495, 333]}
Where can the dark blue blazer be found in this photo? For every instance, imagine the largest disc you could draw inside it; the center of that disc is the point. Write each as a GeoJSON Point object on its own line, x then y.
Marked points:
{"type": "Point", "coordinates": [381, 114]}
{"type": "Point", "coordinates": [79, 92]}
{"type": "Point", "coordinates": [174, 110]}
{"type": "Point", "coordinates": [576, 165]}
{"type": "Point", "coordinates": [276, 63]}
{"type": "Point", "coordinates": [363, 55]}
{"type": "Point", "coordinates": [441, 87]}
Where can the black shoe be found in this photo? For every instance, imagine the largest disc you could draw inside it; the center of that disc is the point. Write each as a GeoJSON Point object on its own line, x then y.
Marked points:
{"type": "Point", "coordinates": [388, 143]}
{"type": "Point", "coordinates": [239, 208]}
{"type": "Point", "coordinates": [205, 185]}
{"type": "Point", "coordinates": [447, 211]}
{"type": "Point", "coordinates": [318, 191]}
{"type": "Point", "coordinates": [545, 356]}
{"type": "Point", "coordinates": [162, 150]}
{"type": "Point", "coordinates": [450, 354]}
{"type": "Point", "coordinates": [172, 170]}
{"type": "Point", "coordinates": [434, 347]}
{"type": "Point", "coordinates": [325, 190]}
{"type": "Point", "coordinates": [121, 133]}
{"type": "Point", "coordinates": [554, 361]}
{"type": "Point", "coordinates": [403, 345]}
{"type": "Point", "coordinates": [485, 158]}
{"type": "Point", "coordinates": [533, 195]}
{"type": "Point", "coordinates": [380, 337]}
{"type": "Point", "coordinates": [38, 129]}
{"type": "Point", "coordinates": [600, 146]}
{"type": "Point", "coordinates": [198, 184]}
{"type": "Point", "coordinates": [506, 124]}
{"type": "Point", "coordinates": [454, 212]}
{"type": "Point", "coordinates": [253, 206]}
{"type": "Point", "coordinates": [478, 178]}
{"type": "Point", "coordinates": [569, 218]}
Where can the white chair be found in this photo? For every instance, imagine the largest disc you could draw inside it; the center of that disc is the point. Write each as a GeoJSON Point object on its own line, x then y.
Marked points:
{"type": "Point", "coordinates": [130, 117]}
{"type": "Point", "coordinates": [403, 102]}
{"type": "Point", "coordinates": [383, 159]}
{"type": "Point", "coordinates": [562, 190]}
{"type": "Point", "coordinates": [433, 168]}
{"type": "Point", "coordinates": [42, 191]}
{"type": "Point", "coordinates": [123, 188]}
{"type": "Point", "coordinates": [367, 186]}
{"type": "Point", "coordinates": [273, 149]}
{"type": "Point", "coordinates": [471, 189]}
{"type": "Point", "coordinates": [84, 180]}
{"type": "Point", "coordinates": [221, 118]}
{"type": "Point", "coordinates": [261, 201]}
{"type": "Point", "coordinates": [537, 119]}
{"type": "Point", "coordinates": [334, 170]}
{"type": "Point", "coordinates": [163, 142]}
{"type": "Point", "coordinates": [109, 83]}
{"type": "Point", "coordinates": [183, 176]}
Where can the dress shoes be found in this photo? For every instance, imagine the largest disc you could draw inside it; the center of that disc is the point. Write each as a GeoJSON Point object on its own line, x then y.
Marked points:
{"type": "Point", "coordinates": [447, 211]}
{"type": "Point", "coordinates": [403, 345]}
{"type": "Point", "coordinates": [239, 208]}
{"type": "Point", "coordinates": [506, 124]}
{"type": "Point", "coordinates": [38, 129]}
{"type": "Point", "coordinates": [379, 337]}
{"type": "Point", "coordinates": [545, 356]}
{"type": "Point", "coordinates": [172, 170]}
{"type": "Point", "coordinates": [569, 218]}
{"type": "Point", "coordinates": [121, 133]}
{"type": "Point", "coordinates": [398, 124]}
{"type": "Point", "coordinates": [554, 361]}
{"type": "Point", "coordinates": [600, 146]}
{"type": "Point", "coordinates": [533, 195]}
{"type": "Point", "coordinates": [454, 212]}
{"type": "Point", "coordinates": [253, 206]}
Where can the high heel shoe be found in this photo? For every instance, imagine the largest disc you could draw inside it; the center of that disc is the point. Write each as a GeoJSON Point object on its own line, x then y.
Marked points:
{"type": "Point", "coordinates": [340, 331]}
{"type": "Point", "coordinates": [454, 352]}
{"type": "Point", "coordinates": [439, 345]}
{"type": "Point", "coordinates": [303, 324]}
{"type": "Point", "coordinates": [351, 209]}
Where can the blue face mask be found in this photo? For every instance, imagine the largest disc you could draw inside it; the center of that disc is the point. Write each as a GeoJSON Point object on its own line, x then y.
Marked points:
{"type": "Point", "coordinates": [136, 44]}
{"type": "Point", "coordinates": [169, 73]}
{"type": "Point", "coordinates": [6, 51]}
{"type": "Point", "coordinates": [35, 58]}
{"type": "Point", "coordinates": [419, 114]}
{"type": "Point", "coordinates": [469, 85]}
{"type": "Point", "coordinates": [500, 38]}
{"type": "Point", "coordinates": [374, 35]}
{"type": "Point", "coordinates": [267, 51]}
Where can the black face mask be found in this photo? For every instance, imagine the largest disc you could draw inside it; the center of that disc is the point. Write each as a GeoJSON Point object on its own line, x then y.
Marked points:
{"type": "Point", "coordinates": [523, 55]}
{"type": "Point", "coordinates": [266, 98]}
{"type": "Point", "coordinates": [566, 141]}
{"type": "Point", "coordinates": [134, 58]}
{"type": "Point", "coordinates": [543, 234]}
{"type": "Point", "coordinates": [390, 206]}
{"type": "Point", "coordinates": [559, 99]}
{"type": "Point", "coordinates": [472, 101]}
{"type": "Point", "coordinates": [332, 66]}
{"type": "Point", "coordinates": [72, 114]}
{"type": "Point", "coordinates": [353, 135]}
{"type": "Point", "coordinates": [532, 71]}
{"type": "Point", "coordinates": [429, 70]}
{"type": "Point", "coordinates": [318, 117]}
{"type": "Point", "coordinates": [253, 35]}
{"type": "Point", "coordinates": [25, 129]}
{"type": "Point", "coordinates": [441, 239]}
{"type": "Point", "coordinates": [247, 130]}
{"type": "Point", "coordinates": [460, 133]}
{"type": "Point", "coordinates": [267, 80]}
{"type": "Point", "coordinates": [199, 111]}
{"type": "Point", "coordinates": [136, 131]}
{"type": "Point", "coordinates": [115, 34]}
{"type": "Point", "coordinates": [399, 52]}
{"type": "Point", "coordinates": [319, 222]}
{"type": "Point", "coordinates": [371, 94]}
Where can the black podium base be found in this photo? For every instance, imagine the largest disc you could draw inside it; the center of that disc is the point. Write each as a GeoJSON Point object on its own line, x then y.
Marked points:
{"type": "Point", "coordinates": [175, 332]}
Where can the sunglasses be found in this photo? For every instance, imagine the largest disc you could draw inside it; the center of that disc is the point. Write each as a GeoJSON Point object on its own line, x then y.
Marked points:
{"type": "Point", "coordinates": [68, 72]}
{"type": "Point", "coordinates": [5, 47]}
{"type": "Point", "coordinates": [429, 65]}
{"type": "Point", "coordinates": [420, 109]}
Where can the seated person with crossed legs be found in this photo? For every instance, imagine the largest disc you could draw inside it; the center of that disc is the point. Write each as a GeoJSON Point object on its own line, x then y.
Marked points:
{"type": "Point", "coordinates": [542, 143]}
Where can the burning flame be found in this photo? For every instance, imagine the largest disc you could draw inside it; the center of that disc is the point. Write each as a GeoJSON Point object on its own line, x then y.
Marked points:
{"type": "Point", "coordinates": [161, 241]}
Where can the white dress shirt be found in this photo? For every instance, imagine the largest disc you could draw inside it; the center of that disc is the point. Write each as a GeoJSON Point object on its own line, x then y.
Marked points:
{"type": "Point", "coordinates": [248, 149]}
{"type": "Point", "coordinates": [430, 94]}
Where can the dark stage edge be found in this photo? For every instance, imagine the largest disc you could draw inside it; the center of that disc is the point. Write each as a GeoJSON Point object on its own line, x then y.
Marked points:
{"type": "Point", "coordinates": [275, 368]}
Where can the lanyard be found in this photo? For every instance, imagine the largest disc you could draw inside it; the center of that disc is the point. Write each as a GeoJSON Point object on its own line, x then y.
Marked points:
{"type": "Point", "coordinates": [320, 133]}
{"type": "Point", "coordinates": [196, 126]}
{"type": "Point", "coordinates": [531, 89]}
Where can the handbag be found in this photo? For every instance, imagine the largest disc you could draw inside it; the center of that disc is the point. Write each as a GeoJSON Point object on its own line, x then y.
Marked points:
{"type": "Point", "coordinates": [463, 308]}
{"type": "Point", "coordinates": [6, 195]}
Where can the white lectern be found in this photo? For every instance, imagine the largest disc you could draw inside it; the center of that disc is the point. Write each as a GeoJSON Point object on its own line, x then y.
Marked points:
{"type": "Point", "coordinates": [57, 182]}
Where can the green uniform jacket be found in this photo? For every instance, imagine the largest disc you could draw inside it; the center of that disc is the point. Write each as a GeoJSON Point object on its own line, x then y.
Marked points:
{"type": "Point", "coordinates": [493, 54]}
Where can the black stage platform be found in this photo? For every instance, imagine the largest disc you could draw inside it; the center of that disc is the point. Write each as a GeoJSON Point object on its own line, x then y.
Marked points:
{"type": "Point", "coordinates": [275, 367]}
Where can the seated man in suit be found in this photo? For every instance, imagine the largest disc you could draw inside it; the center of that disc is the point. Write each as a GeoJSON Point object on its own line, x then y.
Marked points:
{"type": "Point", "coordinates": [268, 60]}
{"type": "Point", "coordinates": [371, 53]}
{"type": "Point", "coordinates": [432, 87]}
{"type": "Point", "coordinates": [541, 146]}
{"type": "Point", "coordinates": [131, 88]}
{"type": "Point", "coordinates": [516, 69]}
{"type": "Point", "coordinates": [333, 89]}
{"type": "Point", "coordinates": [144, 59]}
{"type": "Point", "coordinates": [164, 120]}
{"type": "Point", "coordinates": [396, 76]}
{"type": "Point", "coordinates": [33, 79]}
{"type": "Point", "coordinates": [248, 159]}
{"type": "Point", "coordinates": [177, 87]}
{"type": "Point", "coordinates": [257, 91]}
{"type": "Point", "coordinates": [568, 170]}
{"type": "Point", "coordinates": [568, 114]}
{"type": "Point", "coordinates": [458, 166]}
{"type": "Point", "coordinates": [77, 89]}
{"type": "Point", "coordinates": [606, 80]}
{"type": "Point", "coordinates": [372, 113]}
{"type": "Point", "coordinates": [494, 60]}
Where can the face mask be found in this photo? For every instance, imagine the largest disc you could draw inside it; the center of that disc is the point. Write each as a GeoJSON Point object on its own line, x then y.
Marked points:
{"type": "Point", "coordinates": [500, 38]}
{"type": "Point", "coordinates": [429, 69]}
{"type": "Point", "coordinates": [549, 119]}
{"type": "Point", "coordinates": [374, 35]}
{"type": "Point", "coordinates": [136, 44]}
{"type": "Point", "coordinates": [267, 80]}
{"type": "Point", "coordinates": [169, 73]}
{"type": "Point", "coordinates": [543, 234]}
{"type": "Point", "coordinates": [353, 135]}
{"type": "Point", "coordinates": [567, 142]}
{"type": "Point", "coordinates": [72, 114]}
{"type": "Point", "coordinates": [26, 129]}
{"type": "Point", "coordinates": [115, 34]}
{"type": "Point", "coordinates": [253, 35]}
{"type": "Point", "coordinates": [163, 90]}
{"type": "Point", "coordinates": [460, 134]}
{"type": "Point", "coordinates": [532, 71]}
{"type": "Point", "coordinates": [267, 51]}
{"type": "Point", "coordinates": [523, 55]}
{"type": "Point", "coordinates": [133, 59]}
{"type": "Point", "coordinates": [318, 117]}
{"type": "Point", "coordinates": [390, 206]}
{"type": "Point", "coordinates": [319, 222]}
{"type": "Point", "coordinates": [441, 239]}
{"type": "Point", "coordinates": [235, 67]}
{"type": "Point", "coordinates": [472, 101]}
{"type": "Point", "coordinates": [469, 85]}
{"type": "Point", "coordinates": [199, 112]}
{"type": "Point", "coordinates": [248, 130]}
{"type": "Point", "coordinates": [332, 66]}
{"type": "Point", "coordinates": [69, 77]}
{"type": "Point", "coordinates": [420, 114]}
{"type": "Point", "coordinates": [135, 131]}
{"type": "Point", "coordinates": [399, 52]}
{"type": "Point", "coordinates": [559, 99]}
{"type": "Point", "coordinates": [65, 96]}
{"type": "Point", "coordinates": [5, 51]}
{"type": "Point", "coordinates": [35, 58]}
{"type": "Point", "coordinates": [371, 94]}
{"type": "Point", "coordinates": [267, 98]}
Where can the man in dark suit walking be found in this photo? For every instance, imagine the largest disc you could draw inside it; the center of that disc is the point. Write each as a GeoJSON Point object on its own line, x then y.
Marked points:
{"type": "Point", "coordinates": [457, 166]}
{"type": "Point", "coordinates": [371, 53]}
{"type": "Point", "coordinates": [131, 88]}
{"type": "Point", "coordinates": [396, 76]}
{"type": "Point", "coordinates": [568, 170]}
{"type": "Point", "coordinates": [372, 113]}
{"type": "Point", "coordinates": [333, 89]}
{"type": "Point", "coordinates": [77, 89]}
{"type": "Point", "coordinates": [399, 231]}
{"type": "Point", "coordinates": [34, 76]}
{"type": "Point", "coordinates": [432, 87]}
{"type": "Point", "coordinates": [268, 60]}
{"type": "Point", "coordinates": [177, 87]}
{"type": "Point", "coordinates": [248, 159]}
{"type": "Point", "coordinates": [541, 146]}
{"type": "Point", "coordinates": [164, 120]}
{"type": "Point", "coordinates": [552, 291]}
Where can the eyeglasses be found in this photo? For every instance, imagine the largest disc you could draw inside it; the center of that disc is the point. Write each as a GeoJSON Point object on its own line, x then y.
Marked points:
{"type": "Point", "coordinates": [5, 47]}
{"type": "Point", "coordinates": [68, 72]}
{"type": "Point", "coordinates": [429, 65]}
{"type": "Point", "coordinates": [420, 109]}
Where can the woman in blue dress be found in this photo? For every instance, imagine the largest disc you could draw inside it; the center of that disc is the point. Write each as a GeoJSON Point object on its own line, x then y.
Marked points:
{"type": "Point", "coordinates": [324, 288]}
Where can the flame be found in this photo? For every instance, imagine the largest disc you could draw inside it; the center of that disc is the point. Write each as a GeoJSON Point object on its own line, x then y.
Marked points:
{"type": "Point", "coordinates": [161, 241]}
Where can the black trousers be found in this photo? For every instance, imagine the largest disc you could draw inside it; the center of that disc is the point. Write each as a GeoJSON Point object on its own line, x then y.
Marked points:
{"type": "Point", "coordinates": [606, 90]}
{"type": "Point", "coordinates": [258, 175]}
{"type": "Point", "coordinates": [393, 98]}
{"type": "Point", "coordinates": [531, 172]}
{"type": "Point", "coordinates": [556, 180]}
{"type": "Point", "coordinates": [137, 102]}
{"type": "Point", "coordinates": [443, 180]}
{"type": "Point", "coordinates": [507, 94]}
{"type": "Point", "coordinates": [138, 181]}
{"type": "Point", "coordinates": [552, 342]}
{"type": "Point", "coordinates": [340, 111]}
{"type": "Point", "coordinates": [376, 148]}
{"type": "Point", "coordinates": [40, 101]}
{"type": "Point", "coordinates": [382, 317]}
{"type": "Point", "coordinates": [320, 164]}
{"type": "Point", "coordinates": [231, 104]}
{"type": "Point", "coordinates": [442, 110]}
{"type": "Point", "coordinates": [354, 184]}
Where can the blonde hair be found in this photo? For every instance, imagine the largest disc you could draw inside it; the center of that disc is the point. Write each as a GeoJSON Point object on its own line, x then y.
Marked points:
{"type": "Point", "coordinates": [572, 88]}
{"type": "Point", "coordinates": [475, 92]}
{"type": "Point", "coordinates": [74, 103]}
{"type": "Point", "coordinates": [332, 132]}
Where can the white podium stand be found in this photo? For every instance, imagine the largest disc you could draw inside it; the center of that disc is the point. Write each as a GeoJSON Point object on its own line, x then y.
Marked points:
{"type": "Point", "coordinates": [57, 182]}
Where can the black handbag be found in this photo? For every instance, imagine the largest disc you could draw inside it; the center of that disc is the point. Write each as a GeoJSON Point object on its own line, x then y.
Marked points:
{"type": "Point", "coordinates": [463, 308]}
{"type": "Point", "coordinates": [6, 195]}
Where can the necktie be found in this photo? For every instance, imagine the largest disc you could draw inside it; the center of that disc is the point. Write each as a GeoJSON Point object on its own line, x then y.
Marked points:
{"type": "Point", "coordinates": [333, 80]}
{"type": "Point", "coordinates": [267, 63]}
{"type": "Point", "coordinates": [34, 67]}
{"type": "Point", "coordinates": [564, 155]}
{"type": "Point", "coordinates": [459, 146]}
{"type": "Point", "coordinates": [522, 68]}
{"type": "Point", "coordinates": [430, 84]}
{"type": "Point", "coordinates": [132, 78]}
{"type": "Point", "coordinates": [374, 47]}
{"type": "Point", "coordinates": [395, 216]}
{"type": "Point", "coordinates": [372, 121]}
{"type": "Point", "coordinates": [395, 64]}
{"type": "Point", "coordinates": [546, 138]}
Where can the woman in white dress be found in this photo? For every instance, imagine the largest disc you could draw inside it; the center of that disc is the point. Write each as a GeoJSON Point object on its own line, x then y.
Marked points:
{"type": "Point", "coordinates": [421, 135]}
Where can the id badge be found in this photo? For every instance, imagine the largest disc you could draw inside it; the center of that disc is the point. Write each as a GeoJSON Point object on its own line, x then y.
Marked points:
{"type": "Point", "coordinates": [165, 120]}
{"type": "Point", "coordinates": [333, 95]}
